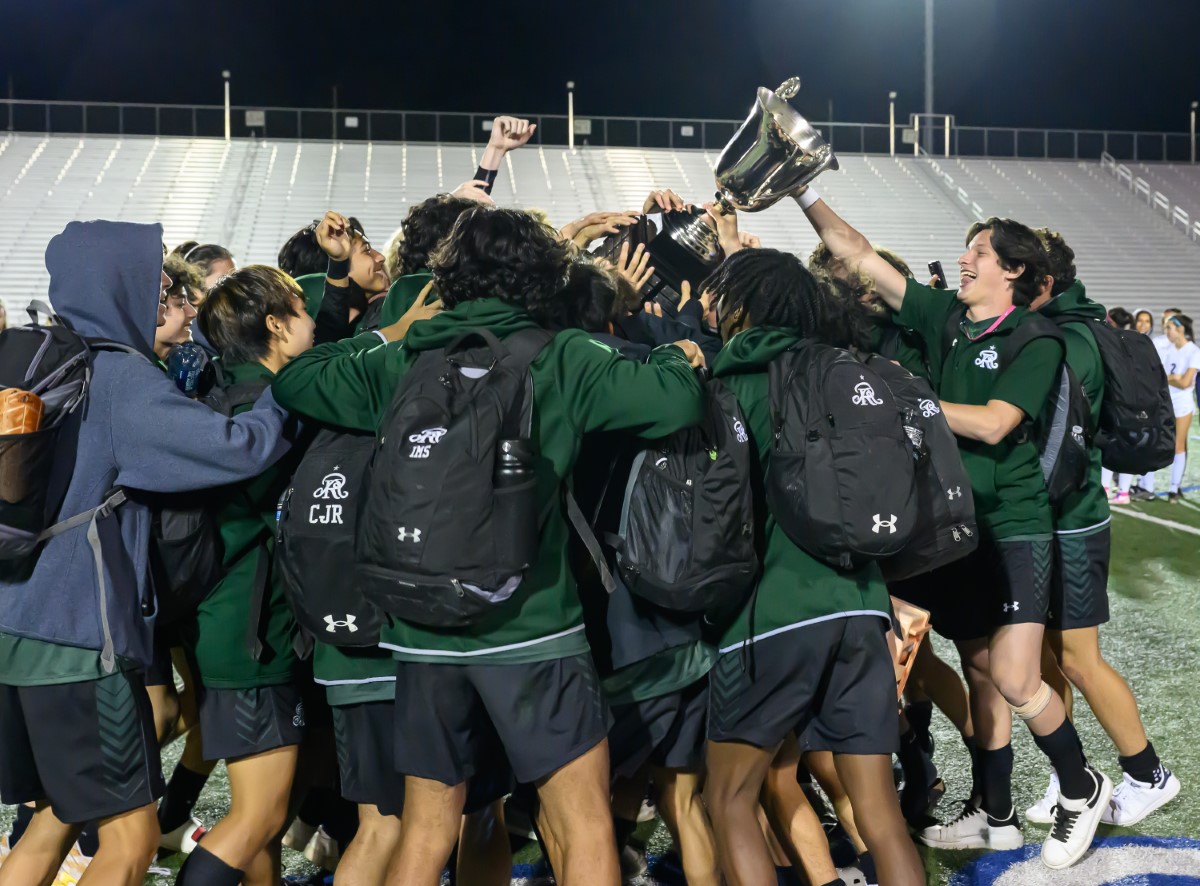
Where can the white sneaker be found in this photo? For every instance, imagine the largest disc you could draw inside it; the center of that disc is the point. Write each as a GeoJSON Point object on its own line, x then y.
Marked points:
{"type": "Point", "coordinates": [1075, 823]}
{"type": "Point", "coordinates": [1133, 800]}
{"type": "Point", "coordinates": [184, 838]}
{"type": "Point", "coordinates": [647, 811]}
{"type": "Point", "coordinates": [852, 876]}
{"type": "Point", "coordinates": [975, 829]}
{"type": "Point", "coordinates": [1042, 812]}
{"type": "Point", "coordinates": [322, 850]}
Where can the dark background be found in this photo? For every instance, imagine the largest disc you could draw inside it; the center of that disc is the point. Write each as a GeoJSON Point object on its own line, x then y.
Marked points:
{"type": "Point", "coordinates": [1035, 63]}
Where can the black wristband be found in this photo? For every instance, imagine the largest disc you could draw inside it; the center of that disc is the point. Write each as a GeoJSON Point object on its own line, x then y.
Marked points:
{"type": "Point", "coordinates": [338, 270]}
{"type": "Point", "coordinates": [487, 175]}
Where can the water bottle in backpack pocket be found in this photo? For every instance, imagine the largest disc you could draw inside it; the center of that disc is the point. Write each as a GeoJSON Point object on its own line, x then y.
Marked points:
{"type": "Point", "coordinates": [317, 522]}
{"type": "Point", "coordinates": [451, 518]}
{"type": "Point", "coordinates": [840, 481]}
{"type": "Point", "coordinates": [686, 536]}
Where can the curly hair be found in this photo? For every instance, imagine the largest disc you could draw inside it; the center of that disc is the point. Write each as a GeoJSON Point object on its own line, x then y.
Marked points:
{"type": "Point", "coordinates": [425, 226]}
{"type": "Point", "coordinates": [588, 301]}
{"type": "Point", "coordinates": [775, 289]}
{"type": "Point", "coordinates": [234, 316]}
{"type": "Point", "coordinates": [184, 275]}
{"type": "Point", "coordinates": [1015, 246]}
{"type": "Point", "coordinates": [504, 254]}
{"type": "Point", "coordinates": [1060, 260]}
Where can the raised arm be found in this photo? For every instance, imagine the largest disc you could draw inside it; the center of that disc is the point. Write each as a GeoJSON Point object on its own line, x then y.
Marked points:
{"type": "Point", "coordinates": [852, 249]}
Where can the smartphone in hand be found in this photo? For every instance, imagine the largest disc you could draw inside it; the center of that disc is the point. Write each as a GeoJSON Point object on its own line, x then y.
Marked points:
{"type": "Point", "coordinates": [935, 270]}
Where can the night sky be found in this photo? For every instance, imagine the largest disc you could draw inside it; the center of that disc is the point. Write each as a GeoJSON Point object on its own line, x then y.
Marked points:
{"type": "Point", "coordinates": [1112, 64]}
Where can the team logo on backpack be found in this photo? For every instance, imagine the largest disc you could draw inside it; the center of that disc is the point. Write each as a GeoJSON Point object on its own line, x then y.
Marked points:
{"type": "Point", "coordinates": [864, 394]}
{"type": "Point", "coordinates": [929, 409]}
{"type": "Point", "coordinates": [425, 440]}
{"type": "Point", "coordinates": [989, 358]}
{"type": "Point", "coordinates": [333, 486]}
{"type": "Point", "coordinates": [739, 431]}
{"type": "Point", "coordinates": [332, 624]}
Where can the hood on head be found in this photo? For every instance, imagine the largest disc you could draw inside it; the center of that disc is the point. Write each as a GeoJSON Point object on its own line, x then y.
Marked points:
{"type": "Point", "coordinates": [105, 280]}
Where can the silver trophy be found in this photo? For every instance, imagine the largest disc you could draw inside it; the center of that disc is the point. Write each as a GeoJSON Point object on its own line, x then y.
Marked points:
{"type": "Point", "coordinates": [774, 153]}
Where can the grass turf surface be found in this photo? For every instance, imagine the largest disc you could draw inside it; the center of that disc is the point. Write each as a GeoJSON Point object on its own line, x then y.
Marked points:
{"type": "Point", "coordinates": [1154, 590]}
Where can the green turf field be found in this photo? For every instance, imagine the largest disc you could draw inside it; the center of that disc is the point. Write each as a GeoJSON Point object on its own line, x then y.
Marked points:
{"type": "Point", "coordinates": [1152, 640]}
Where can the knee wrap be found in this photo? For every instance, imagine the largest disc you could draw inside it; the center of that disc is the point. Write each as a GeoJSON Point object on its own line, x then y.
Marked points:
{"type": "Point", "coordinates": [1035, 705]}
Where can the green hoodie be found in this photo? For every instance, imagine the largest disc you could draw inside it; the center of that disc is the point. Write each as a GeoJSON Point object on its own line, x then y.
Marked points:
{"type": "Point", "coordinates": [794, 590]}
{"type": "Point", "coordinates": [217, 635]}
{"type": "Point", "coordinates": [1006, 478]}
{"type": "Point", "coordinates": [399, 298]}
{"type": "Point", "coordinates": [1086, 509]}
{"type": "Point", "coordinates": [579, 385]}
{"type": "Point", "coordinates": [888, 339]}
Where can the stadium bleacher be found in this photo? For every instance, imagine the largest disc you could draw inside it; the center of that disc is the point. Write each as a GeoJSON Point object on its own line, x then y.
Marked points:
{"type": "Point", "coordinates": [250, 195]}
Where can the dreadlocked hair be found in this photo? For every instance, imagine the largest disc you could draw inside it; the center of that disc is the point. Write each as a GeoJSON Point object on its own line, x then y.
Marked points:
{"type": "Point", "coordinates": [774, 288]}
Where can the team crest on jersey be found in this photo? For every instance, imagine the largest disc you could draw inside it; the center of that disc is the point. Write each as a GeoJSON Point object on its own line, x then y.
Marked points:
{"type": "Point", "coordinates": [989, 358]}
{"type": "Point", "coordinates": [424, 441]}
{"type": "Point", "coordinates": [739, 431]}
{"type": "Point", "coordinates": [333, 485]}
{"type": "Point", "coordinates": [864, 394]}
{"type": "Point", "coordinates": [929, 409]}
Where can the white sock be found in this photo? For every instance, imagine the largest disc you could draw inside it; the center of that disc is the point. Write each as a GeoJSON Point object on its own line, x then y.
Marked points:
{"type": "Point", "coordinates": [1106, 478]}
{"type": "Point", "coordinates": [1124, 481]}
{"type": "Point", "coordinates": [1177, 467]}
{"type": "Point", "coordinates": [1146, 481]}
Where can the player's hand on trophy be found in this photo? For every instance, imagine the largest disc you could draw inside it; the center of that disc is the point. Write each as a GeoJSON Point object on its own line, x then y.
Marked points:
{"type": "Point", "coordinates": [595, 225]}
{"type": "Point", "coordinates": [635, 268]}
{"type": "Point", "coordinates": [333, 236]}
{"type": "Point", "coordinates": [510, 133]}
{"type": "Point", "coordinates": [727, 228]}
{"type": "Point", "coordinates": [474, 190]}
{"type": "Point", "coordinates": [665, 200]}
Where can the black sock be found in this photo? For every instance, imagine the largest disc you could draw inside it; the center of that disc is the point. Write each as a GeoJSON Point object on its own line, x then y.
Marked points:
{"type": "Point", "coordinates": [995, 769]}
{"type": "Point", "coordinates": [1062, 748]}
{"type": "Point", "coordinates": [624, 828]}
{"type": "Point", "coordinates": [20, 823]}
{"type": "Point", "coordinates": [866, 864]}
{"type": "Point", "coordinates": [89, 839]}
{"type": "Point", "coordinates": [202, 868]}
{"type": "Point", "coordinates": [919, 774]}
{"type": "Point", "coordinates": [920, 715]}
{"type": "Point", "coordinates": [976, 771]}
{"type": "Point", "coordinates": [180, 798]}
{"type": "Point", "coordinates": [1143, 765]}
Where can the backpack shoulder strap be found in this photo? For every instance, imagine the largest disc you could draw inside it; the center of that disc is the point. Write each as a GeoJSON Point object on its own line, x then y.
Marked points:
{"type": "Point", "coordinates": [1031, 328]}
{"type": "Point", "coordinates": [954, 318]}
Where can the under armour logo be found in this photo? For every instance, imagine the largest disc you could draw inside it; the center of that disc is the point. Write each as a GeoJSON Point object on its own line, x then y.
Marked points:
{"type": "Point", "coordinates": [332, 624]}
{"type": "Point", "coordinates": [1011, 607]}
{"type": "Point", "coordinates": [928, 408]}
{"type": "Point", "coordinates": [880, 523]}
{"type": "Point", "coordinates": [988, 359]}
{"type": "Point", "coordinates": [332, 486]}
{"type": "Point", "coordinates": [739, 430]}
{"type": "Point", "coordinates": [406, 534]}
{"type": "Point", "coordinates": [954, 493]}
{"type": "Point", "coordinates": [864, 394]}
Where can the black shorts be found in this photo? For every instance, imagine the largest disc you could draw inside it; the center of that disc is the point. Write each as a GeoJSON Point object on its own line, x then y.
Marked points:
{"type": "Point", "coordinates": [88, 747]}
{"type": "Point", "coordinates": [544, 714]}
{"type": "Point", "coordinates": [833, 680]}
{"type": "Point", "coordinates": [242, 722]}
{"type": "Point", "coordinates": [1079, 583]}
{"type": "Point", "coordinates": [667, 732]}
{"type": "Point", "coordinates": [161, 671]}
{"type": "Point", "coordinates": [999, 583]}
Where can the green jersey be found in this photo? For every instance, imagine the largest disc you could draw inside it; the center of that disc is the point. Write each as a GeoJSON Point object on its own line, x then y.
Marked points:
{"type": "Point", "coordinates": [1006, 477]}
{"type": "Point", "coordinates": [795, 589]}
{"type": "Point", "coordinates": [579, 385]}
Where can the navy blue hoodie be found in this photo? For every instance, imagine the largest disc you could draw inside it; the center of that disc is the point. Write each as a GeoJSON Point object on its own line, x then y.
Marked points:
{"type": "Point", "coordinates": [138, 432]}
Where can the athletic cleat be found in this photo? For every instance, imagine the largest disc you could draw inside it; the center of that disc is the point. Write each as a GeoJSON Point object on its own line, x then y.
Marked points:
{"type": "Point", "coordinates": [1121, 498]}
{"type": "Point", "coordinates": [184, 838]}
{"type": "Point", "coordinates": [1133, 800]}
{"type": "Point", "coordinates": [1174, 497]}
{"type": "Point", "coordinates": [1140, 494]}
{"type": "Point", "coordinates": [852, 876]}
{"type": "Point", "coordinates": [647, 811]}
{"type": "Point", "coordinates": [975, 829]}
{"type": "Point", "coordinates": [298, 835]}
{"type": "Point", "coordinates": [1042, 812]}
{"type": "Point", "coordinates": [1075, 823]}
{"type": "Point", "coordinates": [322, 850]}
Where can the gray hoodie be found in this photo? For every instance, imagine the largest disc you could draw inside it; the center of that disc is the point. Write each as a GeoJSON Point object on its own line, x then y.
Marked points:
{"type": "Point", "coordinates": [137, 433]}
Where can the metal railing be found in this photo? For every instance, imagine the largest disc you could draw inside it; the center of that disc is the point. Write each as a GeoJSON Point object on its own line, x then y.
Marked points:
{"type": "Point", "coordinates": [350, 124]}
{"type": "Point", "coordinates": [1155, 200]}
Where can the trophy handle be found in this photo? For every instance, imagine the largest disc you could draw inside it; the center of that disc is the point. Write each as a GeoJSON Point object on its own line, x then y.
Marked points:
{"type": "Point", "coordinates": [789, 88]}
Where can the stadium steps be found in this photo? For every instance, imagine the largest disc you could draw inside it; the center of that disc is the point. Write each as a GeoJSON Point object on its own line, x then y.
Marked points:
{"type": "Point", "coordinates": [251, 195]}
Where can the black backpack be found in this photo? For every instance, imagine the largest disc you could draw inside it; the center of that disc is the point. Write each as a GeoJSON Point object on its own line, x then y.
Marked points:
{"type": "Point", "coordinates": [1136, 434]}
{"type": "Point", "coordinates": [450, 520]}
{"type": "Point", "coordinates": [55, 364]}
{"type": "Point", "coordinates": [1062, 433]}
{"type": "Point", "coordinates": [186, 553]}
{"type": "Point", "coordinates": [840, 481]}
{"type": "Point", "coordinates": [946, 527]}
{"type": "Point", "coordinates": [686, 535]}
{"type": "Point", "coordinates": [317, 527]}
